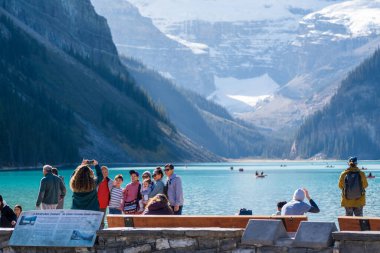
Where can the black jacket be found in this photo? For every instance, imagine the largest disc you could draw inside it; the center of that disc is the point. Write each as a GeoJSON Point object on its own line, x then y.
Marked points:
{"type": "Point", "coordinates": [50, 187]}
{"type": "Point", "coordinates": [158, 208]}
{"type": "Point", "coordinates": [7, 216]}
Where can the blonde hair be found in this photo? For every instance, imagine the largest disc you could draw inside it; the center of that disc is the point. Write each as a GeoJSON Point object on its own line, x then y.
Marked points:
{"type": "Point", "coordinates": [83, 179]}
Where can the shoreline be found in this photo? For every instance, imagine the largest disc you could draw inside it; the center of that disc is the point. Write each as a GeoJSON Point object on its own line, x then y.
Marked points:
{"type": "Point", "coordinates": [227, 162]}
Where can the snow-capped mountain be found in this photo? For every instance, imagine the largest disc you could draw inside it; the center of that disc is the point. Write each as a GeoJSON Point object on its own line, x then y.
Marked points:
{"type": "Point", "coordinates": [198, 42]}
{"type": "Point", "coordinates": [269, 62]}
{"type": "Point", "coordinates": [185, 63]}
{"type": "Point", "coordinates": [247, 40]}
{"type": "Point", "coordinates": [330, 43]}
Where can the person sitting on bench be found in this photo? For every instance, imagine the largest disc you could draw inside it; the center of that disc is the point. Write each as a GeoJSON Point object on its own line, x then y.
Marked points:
{"type": "Point", "coordinates": [297, 206]}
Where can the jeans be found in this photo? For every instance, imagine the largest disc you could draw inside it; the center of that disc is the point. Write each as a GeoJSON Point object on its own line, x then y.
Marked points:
{"type": "Point", "coordinates": [104, 210]}
{"type": "Point", "coordinates": [179, 212]}
{"type": "Point", "coordinates": [350, 211]}
{"type": "Point", "coordinates": [113, 210]}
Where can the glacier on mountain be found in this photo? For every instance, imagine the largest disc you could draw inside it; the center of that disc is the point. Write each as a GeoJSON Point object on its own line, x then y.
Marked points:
{"type": "Point", "coordinates": [305, 47]}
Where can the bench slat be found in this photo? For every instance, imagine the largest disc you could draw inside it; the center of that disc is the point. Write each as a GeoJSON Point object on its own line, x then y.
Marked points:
{"type": "Point", "coordinates": [171, 221]}
{"type": "Point", "coordinates": [351, 223]}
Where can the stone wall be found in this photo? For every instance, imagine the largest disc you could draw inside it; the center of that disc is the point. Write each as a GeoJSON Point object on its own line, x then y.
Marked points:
{"type": "Point", "coordinates": [128, 240]}
{"type": "Point", "coordinates": [357, 242]}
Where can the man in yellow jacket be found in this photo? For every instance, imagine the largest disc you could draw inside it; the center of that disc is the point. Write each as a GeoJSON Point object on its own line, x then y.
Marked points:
{"type": "Point", "coordinates": [353, 205]}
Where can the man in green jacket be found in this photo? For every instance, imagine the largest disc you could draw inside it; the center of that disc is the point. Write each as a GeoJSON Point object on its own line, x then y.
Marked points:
{"type": "Point", "coordinates": [50, 187]}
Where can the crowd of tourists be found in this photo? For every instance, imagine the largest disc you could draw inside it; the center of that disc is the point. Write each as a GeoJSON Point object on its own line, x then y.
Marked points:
{"type": "Point", "coordinates": [152, 196]}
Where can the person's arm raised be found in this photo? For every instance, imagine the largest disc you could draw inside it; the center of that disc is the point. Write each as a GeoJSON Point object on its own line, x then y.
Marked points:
{"type": "Point", "coordinates": [99, 174]}
{"type": "Point", "coordinates": [314, 208]}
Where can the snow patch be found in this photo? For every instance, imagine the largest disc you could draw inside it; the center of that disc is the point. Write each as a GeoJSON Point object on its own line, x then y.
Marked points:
{"type": "Point", "coordinates": [251, 101]}
{"type": "Point", "coordinates": [167, 75]}
{"type": "Point", "coordinates": [240, 95]}
{"type": "Point", "coordinates": [196, 48]}
{"type": "Point", "coordinates": [257, 86]}
{"type": "Point", "coordinates": [224, 10]}
{"type": "Point", "coordinates": [356, 18]}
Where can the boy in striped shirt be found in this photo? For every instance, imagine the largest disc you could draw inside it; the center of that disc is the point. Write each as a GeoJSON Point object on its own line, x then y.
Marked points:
{"type": "Point", "coordinates": [116, 195]}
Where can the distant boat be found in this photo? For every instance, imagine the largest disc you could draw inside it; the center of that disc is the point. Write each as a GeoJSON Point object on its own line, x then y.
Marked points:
{"type": "Point", "coordinates": [364, 168]}
{"type": "Point", "coordinates": [241, 170]}
{"type": "Point", "coordinates": [231, 168]}
{"type": "Point", "coordinates": [261, 176]}
{"type": "Point", "coordinates": [371, 176]}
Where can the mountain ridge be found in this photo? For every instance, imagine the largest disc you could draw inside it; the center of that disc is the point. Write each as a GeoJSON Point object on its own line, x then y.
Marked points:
{"type": "Point", "coordinates": [349, 123]}
{"type": "Point", "coordinates": [92, 97]}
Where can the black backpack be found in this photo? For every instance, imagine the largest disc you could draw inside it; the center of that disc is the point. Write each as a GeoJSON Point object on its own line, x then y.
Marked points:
{"type": "Point", "coordinates": [353, 188]}
{"type": "Point", "coordinates": [244, 211]}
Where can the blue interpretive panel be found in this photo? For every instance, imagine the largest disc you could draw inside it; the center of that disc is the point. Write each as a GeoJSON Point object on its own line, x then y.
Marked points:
{"type": "Point", "coordinates": [56, 228]}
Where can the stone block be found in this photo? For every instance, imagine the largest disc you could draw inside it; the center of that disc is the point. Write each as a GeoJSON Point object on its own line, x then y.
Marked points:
{"type": "Point", "coordinates": [297, 250]}
{"type": "Point", "coordinates": [271, 249]}
{"type": "Point", "coordinates": [162, 243]}
{"type": "Point", "coordinates": [3, 244]}
{"type": "Point", "coordinates": [210, 243]}
{"type": "Point", "coordinates": [263, 232]}
{"type": "Point", "coordinates": [315, 234]}
{"type": "Point", "coordinates": [184, 250]}
{"type": "Point", "coordinates": [108, 250]}
{"type": "Point", "coordinates": [328, 250]}
{"type": "Point", "coordinates": [227, 244]}
{"type": "Point", "coordinates": [207, 251]}
{"type": "Point", "coordinates": [84, 250]}
{"type": "Point", "coordinates": [139, 249]}
{"type": "Point", "coordinates": [244, 251]}
{"type": "Point", "coordinates": [199, 233]}
{"type": "Point", "coordinates": [182, 243]}
{"type": "Point", "coordinates": [171, 233]}
{"type": "Point", "coordinates": [351, 247]}
{"type": "Point", "coordinates": [372, 246]}
{"type": "Point", "coordinates": [8, 250]}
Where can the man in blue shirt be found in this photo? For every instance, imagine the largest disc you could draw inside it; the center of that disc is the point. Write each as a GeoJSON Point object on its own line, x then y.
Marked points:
{"type": "Point", "coordinates": [174, 189]}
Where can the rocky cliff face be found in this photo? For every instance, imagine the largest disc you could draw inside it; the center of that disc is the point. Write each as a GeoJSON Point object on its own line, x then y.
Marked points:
{"type": "Point", "coordinates": [350, 123]}
{"type": "Point", "coordinates": [70, 25]}
{"type": "Point", "coordinates": [330, 43]}
{"type": "Point", "coordinates": [135, 36]}
{"type": "Point", "coordinates": [273, 62]}
{"type": "Point", "coordinates": [245, 46]}
{"type": "Point", "coordinates": [59, 52]}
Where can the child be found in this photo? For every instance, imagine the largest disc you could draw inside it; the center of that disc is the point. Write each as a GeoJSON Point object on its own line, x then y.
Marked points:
{"type": "Point", "coordinates": [116, 195]}
{"type": "Point", "coordinates": [279, 206]}
{"type": "Point", "coordinates": [145, 190]}
{"type": "Point", "coordinates": [17, 209]}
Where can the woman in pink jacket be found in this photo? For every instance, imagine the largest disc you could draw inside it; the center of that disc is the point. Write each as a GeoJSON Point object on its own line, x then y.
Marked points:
{"type": "Point", "coordinates": [131, 194]}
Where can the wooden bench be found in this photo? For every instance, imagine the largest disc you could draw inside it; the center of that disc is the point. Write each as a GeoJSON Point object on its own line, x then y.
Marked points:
{"type": "Point", "coordinates": [291, 223]}
{"type": "Point", "coordinates": [354, 223]}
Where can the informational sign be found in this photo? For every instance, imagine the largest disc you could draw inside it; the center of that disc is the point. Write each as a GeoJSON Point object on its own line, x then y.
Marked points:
{"type": "Point", "coordinates": [56, 228]}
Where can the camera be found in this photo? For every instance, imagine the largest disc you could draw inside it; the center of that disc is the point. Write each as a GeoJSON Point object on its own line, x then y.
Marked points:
{"type": "Point", "coordinates": [89, 162]}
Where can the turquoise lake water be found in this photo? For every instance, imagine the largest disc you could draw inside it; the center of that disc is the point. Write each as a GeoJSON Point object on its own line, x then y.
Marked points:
{"type": "Point", "coordinates": [215, 189]}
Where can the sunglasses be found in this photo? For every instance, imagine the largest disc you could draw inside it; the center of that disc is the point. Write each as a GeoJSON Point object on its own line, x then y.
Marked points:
{"type": "Point", "coordinates": [154, 175]}
{"type": "Point", "coordinates": [166, 169]}
{"type": "Point", "coordinates": [145, 176]}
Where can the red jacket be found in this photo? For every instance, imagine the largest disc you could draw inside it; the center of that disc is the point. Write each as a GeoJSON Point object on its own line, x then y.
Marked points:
{"type": "Point", "coordinates": [104, 193]}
